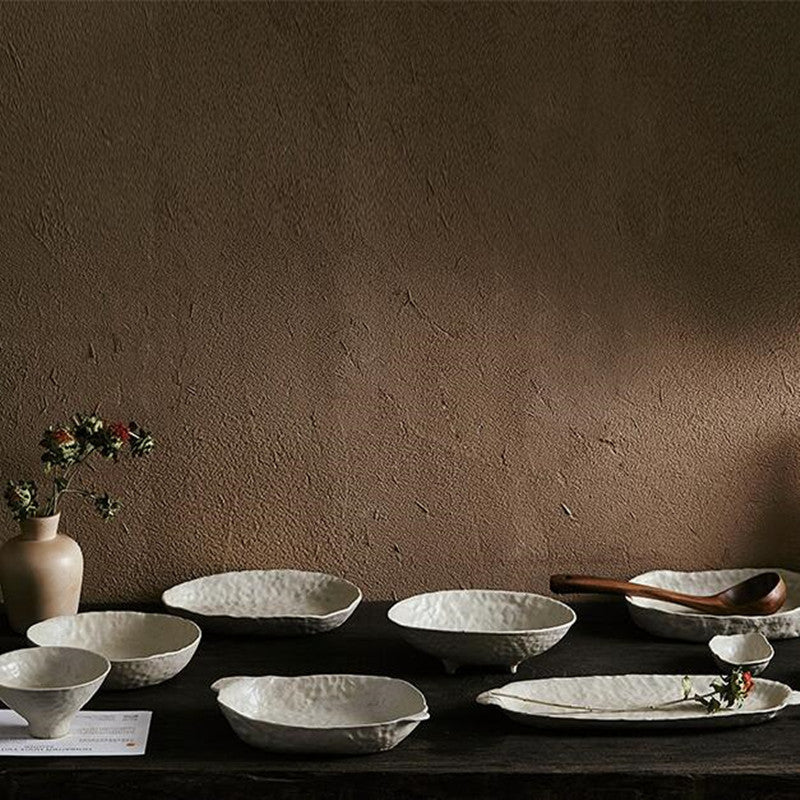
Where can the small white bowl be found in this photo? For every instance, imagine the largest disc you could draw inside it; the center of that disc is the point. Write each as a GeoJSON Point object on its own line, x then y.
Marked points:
{"type": "Point", "coordinates": [330, 714]}
{"type": "Point", "coordinates": [144, 649]}
{"type": "Point", "coordinates": [482, 626]}
{"type": "Point", "coordinates": [748, 651]}
{"type": "Point", "coordinates": [274, 602]}
{"type": "Point", "coordinates": [49, 685]}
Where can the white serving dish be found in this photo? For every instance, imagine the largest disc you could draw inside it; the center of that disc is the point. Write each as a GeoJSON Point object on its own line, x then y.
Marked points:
{"type": "Point", "coordinates": [748, 651]}
{"type": "Point", "coordinates": [625, 701]}
{"type": "Point", "coordinates": [330, 714]}
{"type": "Point", "coordinates": [144, 649]}
{"type": "Point", "coordinates": [677, 622]}
{"type": "Point", "coordinates": [277, 602]}
{"type": "Point", "coordinates": [482, 626]}
{"type": "Point", "coordinates": [49, 685]}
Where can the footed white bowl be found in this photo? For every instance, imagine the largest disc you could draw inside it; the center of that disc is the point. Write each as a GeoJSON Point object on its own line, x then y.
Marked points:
{"type": "Point", "coordinates": [482, 626]}
{"type": "Point", "coordinates": [49, 685]}
{"type": "Point", "coordinates": [144, 649]}
{"type": "Point", "coordinates": [678, 622]}
{"type": "Point", "coordinates": [330, 714]}
{"type": "Point", "coordinates": [277, 602]}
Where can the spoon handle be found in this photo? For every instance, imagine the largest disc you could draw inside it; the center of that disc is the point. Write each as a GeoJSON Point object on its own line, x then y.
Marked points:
{"type": "Point", "coordinates": [566, 584]}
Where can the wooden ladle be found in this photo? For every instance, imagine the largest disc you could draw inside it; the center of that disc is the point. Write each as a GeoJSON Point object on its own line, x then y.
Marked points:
{"type": "Point", "coordinates": [762, 594]}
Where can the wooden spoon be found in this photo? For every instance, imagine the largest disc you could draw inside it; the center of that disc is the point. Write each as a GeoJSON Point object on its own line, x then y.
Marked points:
{"type": "Point", "coordinates": [762, 594]}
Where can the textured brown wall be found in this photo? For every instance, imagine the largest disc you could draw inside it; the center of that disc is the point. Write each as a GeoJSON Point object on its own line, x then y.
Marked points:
{"type": "Point", "coordinates": [392, 283]}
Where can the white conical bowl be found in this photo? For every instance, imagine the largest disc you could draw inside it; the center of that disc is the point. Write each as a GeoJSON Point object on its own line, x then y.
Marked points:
{"type": "Point", "coordinates": [49, 685]}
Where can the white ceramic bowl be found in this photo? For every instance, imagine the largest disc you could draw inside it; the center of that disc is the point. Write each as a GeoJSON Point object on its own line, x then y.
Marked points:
{"type": "Point", "coordinates": [330, 714]}
{"type": "Point", "coordinates": [49, 685]}
{"type": "Point", "coordinates": [278, 602]}
{"type": "Point", "coordinates": [144, 649]}
{"type": "Point", "coordinates": [747, 651]}
{"type": "Point", "coordinates": [678, 622]}
{"type": "Point", "coordinates": [482, 626]}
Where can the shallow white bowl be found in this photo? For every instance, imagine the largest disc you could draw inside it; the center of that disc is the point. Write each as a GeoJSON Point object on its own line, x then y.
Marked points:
{"type": "Point", "coordinates": [482, 626]}
{"type": "Point", "coordinates": [747, 651]}
{"type": "Point", "coordinates": [49, 685]}
{"type": "Point", "coordinates": [144, 649]}
{"type": "Point", "coordinates": [331, 714]}
{"type": "Point", "coordinates": [278, 602]}
{"type": "Point", "coordinates": [678, 622]}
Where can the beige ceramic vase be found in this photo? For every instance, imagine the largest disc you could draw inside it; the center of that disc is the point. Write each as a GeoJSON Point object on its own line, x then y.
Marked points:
{"type": "Point", "coordinates": [41, 572]}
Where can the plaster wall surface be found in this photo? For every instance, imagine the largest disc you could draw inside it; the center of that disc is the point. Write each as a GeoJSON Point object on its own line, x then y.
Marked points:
{"type": "Point", "coordinates": [426, 295]}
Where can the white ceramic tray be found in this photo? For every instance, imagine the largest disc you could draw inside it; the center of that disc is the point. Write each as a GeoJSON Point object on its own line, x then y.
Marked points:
{"type": "Point", "coordinates": [625, 701]}
{"type": "Point", "coordinates": [677, 622]}
{"type": "Point", "coordinates": [327, 714]}
{"type": "Point", "coordinates": [275, 602]}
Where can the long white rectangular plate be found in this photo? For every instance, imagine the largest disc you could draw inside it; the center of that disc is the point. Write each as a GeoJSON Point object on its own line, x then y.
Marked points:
{"type": "Point", "coordinates": [631, 701]}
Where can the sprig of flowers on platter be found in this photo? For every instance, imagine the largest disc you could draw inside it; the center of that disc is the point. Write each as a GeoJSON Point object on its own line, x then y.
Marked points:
{"type": "Point", "coordinates": [66, 450]}
{"type": "Point", "coordinates": [727, 692]}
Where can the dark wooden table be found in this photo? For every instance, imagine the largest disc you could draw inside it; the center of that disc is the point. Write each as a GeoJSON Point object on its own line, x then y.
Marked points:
{"type": "Point", "coordinates": [464, 750]}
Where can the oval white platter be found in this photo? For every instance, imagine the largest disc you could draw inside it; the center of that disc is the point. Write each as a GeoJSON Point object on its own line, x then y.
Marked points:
{"type": "Point", "coordinates": [677, 622]}
{"type": "Point", "coordinates": [275, 602]}
{"type": "Point", "coordinates": [327, 714]}
{"type": "Point", "coordinates": [626, 701]}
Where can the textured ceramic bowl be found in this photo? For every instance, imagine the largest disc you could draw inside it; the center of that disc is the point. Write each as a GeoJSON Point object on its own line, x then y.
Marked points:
{"type": "Point", "coordinates": [677, 622]}
{"type": "Point", "coordinates": [144, 649]}
{"type": "Point", "coordinates": [49, 685]}
{"type": "Point", "coordinates": [482, 626]}
{"type": "Point", "coordinates": [327, 714]}
{"type": "Point", "coordinates": [747, 651]}
{"type": "Point", "coordinates": [276, 602]}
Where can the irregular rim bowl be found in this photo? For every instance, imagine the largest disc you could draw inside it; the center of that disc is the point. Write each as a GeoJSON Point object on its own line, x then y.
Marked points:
{"type": "Point", "coordinates": [223, 684]}
{"type": "Point", "coordinates": [677, 622]}
{"type": "Point", "coordinates": [38, 633]}
{"type": "Point", "coordinates": [753, 639]}
{"type": "Point", "coordinates": [101, 663]}
{"type": "Point", "coordinates": [172, 597]}
{"type": "Point", "coordinates": [398, 611]}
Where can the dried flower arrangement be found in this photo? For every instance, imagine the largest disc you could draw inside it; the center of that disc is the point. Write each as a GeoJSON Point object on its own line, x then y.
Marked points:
{"type": "Point", "coordinates": [66, 449]}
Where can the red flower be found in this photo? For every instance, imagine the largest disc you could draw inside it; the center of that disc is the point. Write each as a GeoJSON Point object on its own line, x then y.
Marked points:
{"type": "Point", "coordinates": [119, 430]}
{"type": "Point", "coordinates": [61, 436]}
{"type": "Point", "coordinates": [747, 682]}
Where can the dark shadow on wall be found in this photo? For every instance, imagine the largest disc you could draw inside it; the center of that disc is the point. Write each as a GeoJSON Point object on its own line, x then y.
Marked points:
{"type": "Point", "coordinates": [775, 539]}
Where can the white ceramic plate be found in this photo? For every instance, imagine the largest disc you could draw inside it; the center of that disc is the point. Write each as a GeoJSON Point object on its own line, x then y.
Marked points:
{"type": "Point", "coordinates": [331, 714]}
{"type": "Point", "coordinates": [144, 649]}
{"type": "Point", "coordinates": [624, 701]}
{"type": "Point", "coordinates": [278, 602]}
{"type": "Point", "coordinates": [677, 622]}
{"type": "Point", "coordinates": [482, 626]}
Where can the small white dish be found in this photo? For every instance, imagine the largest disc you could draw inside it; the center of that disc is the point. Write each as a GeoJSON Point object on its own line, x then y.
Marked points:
{"type": "Point", "coordinates": [275, 602]}
{"type": "Point", "coordinates": [678, 622]}
{"type": "Point", "coordinates": [748, 651]}
{"type": "Point", "coordinates": [144, 649]}
{"type": "Point", "coordinates": [482, 626]}
{"type": "Point", "coordinates": [328, 714]}
{"type": "Point", "coordinates": [631, 701]}
{"type": "Point", "coordinates": [49, 685]}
